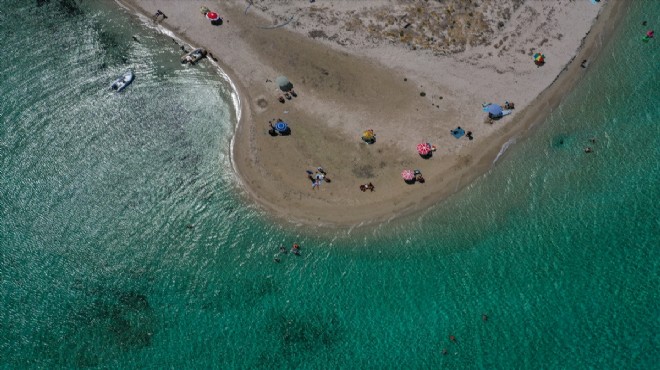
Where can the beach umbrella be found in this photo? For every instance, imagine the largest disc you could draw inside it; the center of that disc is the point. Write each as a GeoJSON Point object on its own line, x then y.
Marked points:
{"type": "Point", "coordinates": [212, 16]}
{"type": "Point", "coordinates": [281, 126]}
{"type": "Point", "coordinates": [283, 83]}
{"type": "Point", "coordinates": [408, 175]}
{"type": "Point", "coordinates": [424, 148]}
{"type": "Point", "coordinates": [494, 110]}
{"type": "Point", "coordinates": [539, 58]}
{"type": "Point", "coordinates": [368, 135]}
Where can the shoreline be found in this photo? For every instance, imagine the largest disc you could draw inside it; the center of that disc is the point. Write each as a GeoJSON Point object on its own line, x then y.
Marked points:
{"type": "Point", "coordinates": [400, 201]}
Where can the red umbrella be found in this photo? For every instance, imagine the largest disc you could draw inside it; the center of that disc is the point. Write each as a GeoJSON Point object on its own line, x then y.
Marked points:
{"type": "Point", "coordinates": [424, 148]}
{"type": "Point", "coordinates": [408, 175]}
{"type": "Point", "coordinates": [212, 16]}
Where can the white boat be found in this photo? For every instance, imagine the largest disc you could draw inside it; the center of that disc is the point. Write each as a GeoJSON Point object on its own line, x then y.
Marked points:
{"type": "Point", "coordinates": [123, 81]}
{"type": "Point", "coordinates": [193, 56]}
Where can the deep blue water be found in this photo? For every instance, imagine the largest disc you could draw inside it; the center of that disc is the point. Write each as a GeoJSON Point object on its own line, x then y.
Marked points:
{"type": "Point", "coordinates": [123, 242]}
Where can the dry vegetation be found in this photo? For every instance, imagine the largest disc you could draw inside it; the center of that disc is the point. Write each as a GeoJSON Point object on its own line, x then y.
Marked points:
{"type": "Point", "coordinates": [440, 26]}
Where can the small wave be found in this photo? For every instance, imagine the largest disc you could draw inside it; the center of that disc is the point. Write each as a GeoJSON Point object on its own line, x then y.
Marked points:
{"type": "Point", "coordinates": [504, 148]}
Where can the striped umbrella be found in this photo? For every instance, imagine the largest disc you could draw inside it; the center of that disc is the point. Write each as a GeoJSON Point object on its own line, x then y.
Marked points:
{"type": "Point", "coordinates": [424, 148]}
{"type": "Point", "coordinates": [408, 175]}
{"type": "Point", "coordinates": [281, 126]}
{"type": "Point", "coordinates": [539, 58]}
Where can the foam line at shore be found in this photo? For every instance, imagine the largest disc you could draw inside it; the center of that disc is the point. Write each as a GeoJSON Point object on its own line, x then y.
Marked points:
{"type": "Point", "coordinates": [504, 148]}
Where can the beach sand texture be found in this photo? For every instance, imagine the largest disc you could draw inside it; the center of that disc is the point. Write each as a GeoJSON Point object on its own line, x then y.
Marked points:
{"type": "Point", "coordinates": [411, 71]}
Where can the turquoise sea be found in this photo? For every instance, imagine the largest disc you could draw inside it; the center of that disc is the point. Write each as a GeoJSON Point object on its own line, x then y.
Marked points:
{"type": "Point", "coordinates": [124, 242]}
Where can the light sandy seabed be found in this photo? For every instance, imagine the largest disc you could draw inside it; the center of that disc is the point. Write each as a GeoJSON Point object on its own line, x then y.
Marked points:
{"type": "Point", "coordinates": [364, 64]}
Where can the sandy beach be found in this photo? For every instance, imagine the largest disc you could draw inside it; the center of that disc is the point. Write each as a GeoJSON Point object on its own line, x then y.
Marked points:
{"type": "Point", "coordinates": [410, 71]}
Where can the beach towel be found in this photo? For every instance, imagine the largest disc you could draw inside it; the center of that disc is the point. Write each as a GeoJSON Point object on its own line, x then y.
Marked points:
{"type": "Point", "coordinates": [458, 132]}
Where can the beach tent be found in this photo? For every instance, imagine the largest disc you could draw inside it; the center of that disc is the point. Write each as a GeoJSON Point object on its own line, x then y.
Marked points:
{"type": "Point", "coordinates": [283, 83]}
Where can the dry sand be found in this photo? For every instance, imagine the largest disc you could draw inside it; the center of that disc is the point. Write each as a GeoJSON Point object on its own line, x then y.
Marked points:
{"type": "Point", "coordinates": [365, 64]}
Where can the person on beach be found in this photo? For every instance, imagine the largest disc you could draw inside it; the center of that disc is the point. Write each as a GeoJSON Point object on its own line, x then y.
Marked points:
{"type": "Point", "coordinates": [371, 186]}
{"type": "Point", "coordinates": [320, 169]}
{"type": "Point", "coordinates": [363, 188]}
{"type": "Point", "coordinates": [316, 184]}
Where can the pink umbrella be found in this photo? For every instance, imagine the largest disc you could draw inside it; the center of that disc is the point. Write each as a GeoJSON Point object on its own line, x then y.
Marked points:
{"type": "Point", "coordinates": [424, 148]}
{"type": "Point", "coordinates": [212, 16]}
{"type": "Point", "coordinates": [649, 33]}
{"type": "Point", "coordinates": [408, 175]}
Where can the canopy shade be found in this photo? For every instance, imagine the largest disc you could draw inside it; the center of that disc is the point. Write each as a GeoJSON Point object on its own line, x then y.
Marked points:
{"type": "Point", "coordinates": [494, 110]}
{"type": "Point", "coordinates": [281, 126]}
{"type": "Point", "coordinates": [212, 16]}
{"type": "Point", "coordinates": [539, 58]}
{"type": "Point", "coordinates": [368, 135]}
{"type": "Point", "coordinates": [408, 175]}
{"type": "Point", "coordinates": [283, 83]}
{"type": "Point", "coordinates": [424, 148]}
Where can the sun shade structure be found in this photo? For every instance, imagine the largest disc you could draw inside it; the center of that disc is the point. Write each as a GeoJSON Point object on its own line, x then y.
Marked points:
{"type": "Point", "coordinates": [424, 149]}
{"type": "Point", "coordinates": [369, 136]}
{"type": "Point", "coordinates": [494, 110]}
{"type": "Point", "coordinates": [283, 83]}
{"type": "Point", "coordinates": [281, 127]}
{"type": "Point", "coordinates": [539, 59]}
{"type": "Point", "coordinates": [408, 175]}
{"type": "Point", "coordinates": [212, 16]}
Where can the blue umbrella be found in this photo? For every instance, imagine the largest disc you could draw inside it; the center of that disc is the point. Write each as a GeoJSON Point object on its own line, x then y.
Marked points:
{"type": "Point", "coordinates": [494, 110]}
{"type": "Point", "coordinates": [281, 126]}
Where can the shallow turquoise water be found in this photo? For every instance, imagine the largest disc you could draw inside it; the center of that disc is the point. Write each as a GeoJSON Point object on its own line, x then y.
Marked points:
{"type": "Point", "coordinates": [123, 242]}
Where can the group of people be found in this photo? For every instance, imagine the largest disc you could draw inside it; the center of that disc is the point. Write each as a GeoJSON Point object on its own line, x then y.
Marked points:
{"type": "Point", "coordinates": [366, 187]}
{"type": "Point", "coordinates": [158, 14]}
{"type": "Point", "coordinates": [294, 250]}
{"type": "Point", "coordinates": [418, 177]}
{"type": "Point", "coordinates": [588, 148]}
{"type": "Point", "coordinates": [317, 178]}
{"type": "Point", "coordinates": [288, 96]}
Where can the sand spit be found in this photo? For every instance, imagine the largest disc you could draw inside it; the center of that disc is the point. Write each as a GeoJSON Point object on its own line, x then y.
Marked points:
{"type": "Point", "coordinates": [411, 71]}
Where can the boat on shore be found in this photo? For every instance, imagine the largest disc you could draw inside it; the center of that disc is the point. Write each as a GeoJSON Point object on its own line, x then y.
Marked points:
{"type": "Point", "coordinates": [194, 56]}
{"type": "Point", "coordinates": [123, 81]}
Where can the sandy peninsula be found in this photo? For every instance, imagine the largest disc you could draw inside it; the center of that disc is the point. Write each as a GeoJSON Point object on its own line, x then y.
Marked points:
{"type": "Point", "coordinates": [410, 70]}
